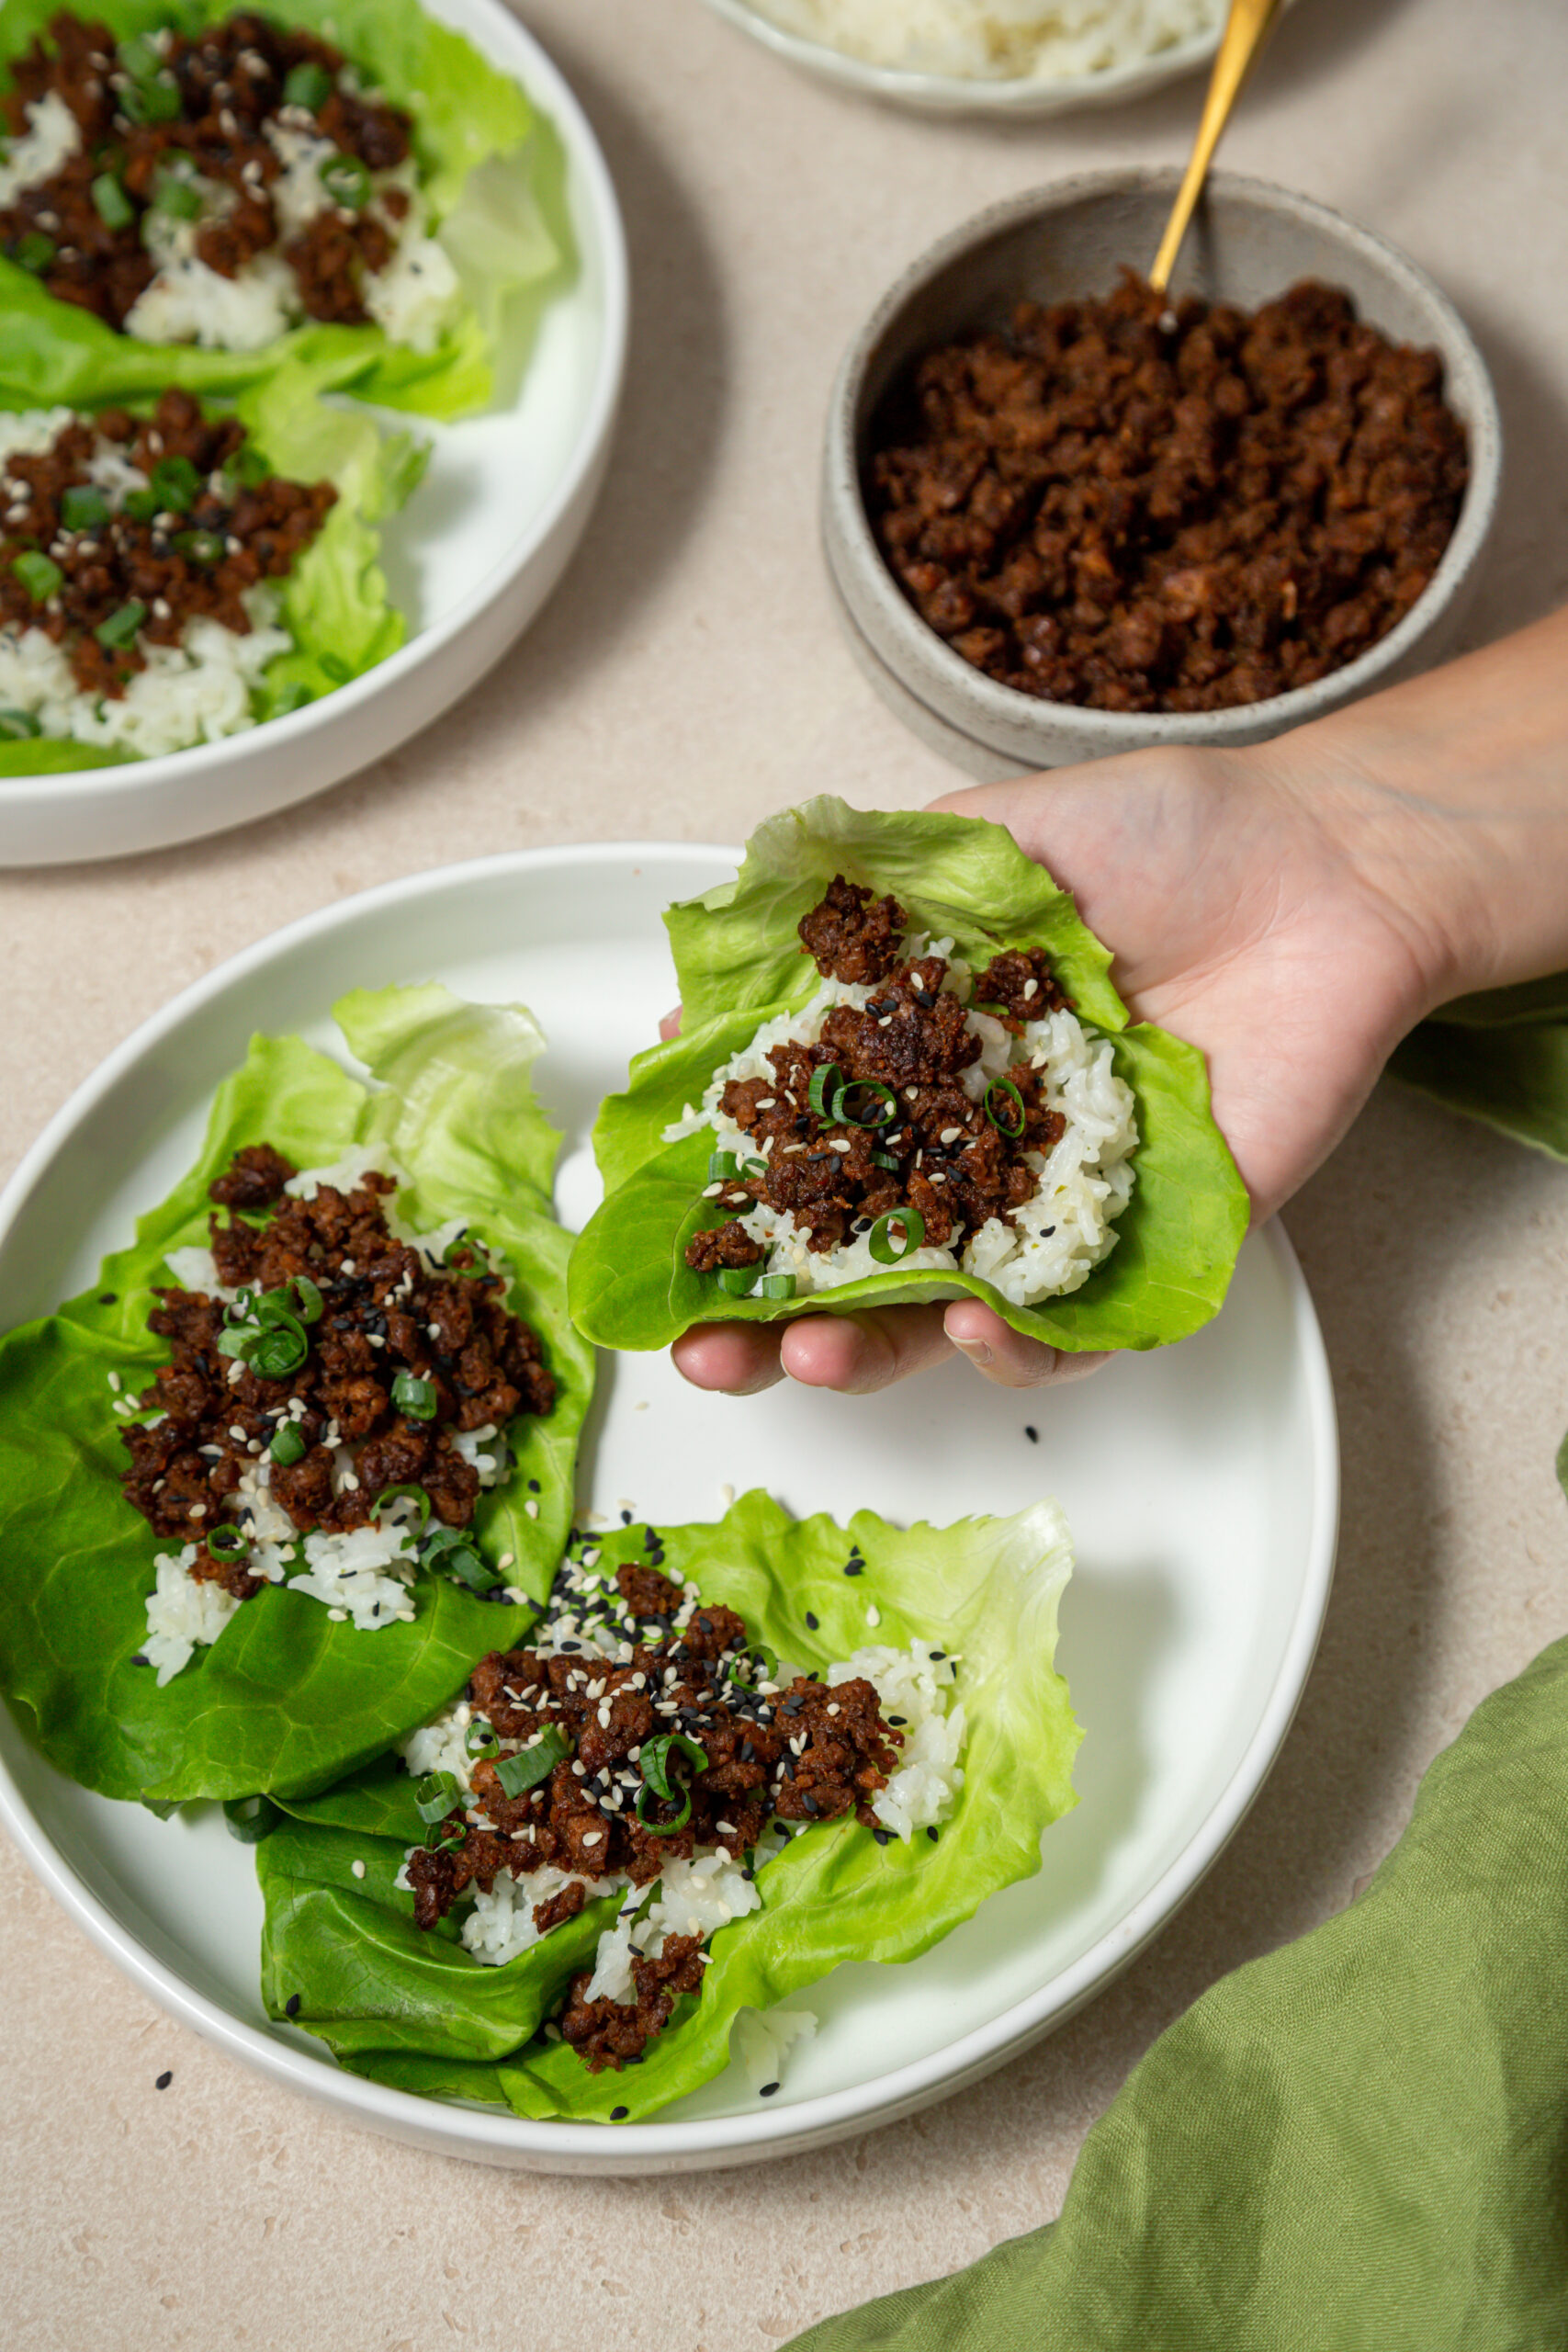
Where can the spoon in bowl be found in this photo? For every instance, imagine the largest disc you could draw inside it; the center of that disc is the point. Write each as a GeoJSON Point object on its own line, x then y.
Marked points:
{"type": "Point", "coordinates": [1247, 29]}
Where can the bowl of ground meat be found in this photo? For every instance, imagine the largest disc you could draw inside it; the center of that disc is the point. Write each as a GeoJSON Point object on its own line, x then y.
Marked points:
{"type": "Point", "coordinates": [1065, 517]}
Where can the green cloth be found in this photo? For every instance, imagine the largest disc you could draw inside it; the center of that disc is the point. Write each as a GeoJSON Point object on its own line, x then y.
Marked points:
{"type": "Point", "coordinates": [1357, 2144]}
{"type": "Point", "coordinates": [1501, 1058]}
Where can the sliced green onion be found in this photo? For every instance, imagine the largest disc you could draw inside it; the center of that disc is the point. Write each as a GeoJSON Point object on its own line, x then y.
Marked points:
{"type": "Point", "coordinates": [736, 1281]}
{"type": "Point", "coordinates": [463, 1245]}
{"type": "Point", "coordinates": [250, 1819]}
{"type": "Point", "coordinates": [202, 546]}
{"type": "Point", "coordinates": [293, 696]}
{"type": "Point", "coordinates": [141, 505]}
{"type": "Point", "coordinates": [826, 1084]}
{"type": "Point", "coordinates": [311, 1302]}
{"type": "Point", "coordinates": [644, 1797]}
{"type": "Point", "coordinates": [415, 1396]}
{"type": "Point", "coordinates": [453, 1553]}
{"type": "Point", "coordinates": [38, 575]}
{"type": "Point", "coordinates": [121, 627]}
{"type": "Point", "coordinates": [249, 467]}
{"type": "Point", "coordinates": [1005, 1086]}
{"type": "Point", "coordinates": [277, 1351]}
{"type": "Point", "coordinates": [519, 1773]}
{"type": "Point", "coordinates": [654, 1762]}
{"type": "Point", "coordinates": [176, 482]}
{"type": "Point", "coordinates": [479, 1741]}
{"type": "Point", "coordinates": [175, 196]}
{"type": "Point", "coordinates": [18, 727]}
{"type": "Point", "coordinates": [348, 181]}
{"type": "Point", "coordinates": [228, 1544]}
{"type": "Point", "coordinates": [287, 1445]}
{"type": "Point", "coordinates": [308, 86]}
{"type": "Point", "coordinates": [140, 57]}
{"type": "Point", "coordinates": [237, 1341]}
{"type": "Point", "coordinates": [156, 99]}
{"type": "Point", "coordinates": [34, 251]}
{"type": "Point", "coordinates": [413, 1494]}
{"type": "Point", "coordinates": [879, 1240]}
{"type": "Point", "coordinates": [436, 1795]}
{"type": "Point", "coordinates": [275, 1307]}
{"type": "Point", "coordinates": [884, 1159]}
{"type": "Point", "coordinates": [721, 1164]}
{"type": "Point", "coordinates": [82, 508]}
{"type": "Point", "coordinates": [766, 1661]}
{"type": "Point", "coordinates": [775, 1286]}
{"type": "Point", "coordinates": [110, 202]}
{"type": "Point", "coordinates": [448, 1845]}
{"type": "Point", "coordinates": [887, 1116]}
{"type": "Point", "coordinates": [336, 669]}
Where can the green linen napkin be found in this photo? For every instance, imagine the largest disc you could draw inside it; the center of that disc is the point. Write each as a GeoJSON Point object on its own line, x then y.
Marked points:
{"type": "Point", "coordinates": [1501, 1056]}
{"type": "Point", "coordinates": [1357, 2144]}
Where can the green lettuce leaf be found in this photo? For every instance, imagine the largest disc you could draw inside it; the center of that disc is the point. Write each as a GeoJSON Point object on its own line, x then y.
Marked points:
{"type": "Point", "coordinates": [469, 118]}
{"type": "Point", "coordinates": [418, 2011]}
{"type": "Point", "coordinates": [1500, 1056]}
{"type": "Point", "coordinates": [335, 602]}
{"type": "Point", "coordinates": [285, 1700]}
{"type": "Point", "coordinates": [739, 963]}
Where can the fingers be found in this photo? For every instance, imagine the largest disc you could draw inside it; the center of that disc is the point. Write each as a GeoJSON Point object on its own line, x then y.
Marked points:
{"type": "Point", "coordinates": [670, 1025]}
{"type": "Point", "coordinates": [856, 1356]}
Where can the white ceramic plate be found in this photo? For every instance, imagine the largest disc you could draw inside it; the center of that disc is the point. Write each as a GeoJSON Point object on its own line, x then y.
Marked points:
{"type": "Point", "coordinates": [1200, 1486]}
{"type": "Point", "coordinates": [1023, 99]}
{"type": "Point", "coordinates": [471, 557]}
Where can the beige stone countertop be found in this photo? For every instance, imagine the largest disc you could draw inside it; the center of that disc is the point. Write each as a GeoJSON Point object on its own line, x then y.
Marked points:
{"type": "Point", "coordinates": [686, 680]}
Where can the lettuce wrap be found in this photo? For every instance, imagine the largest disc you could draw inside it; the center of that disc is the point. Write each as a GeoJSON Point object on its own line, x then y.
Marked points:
{"type": "Point", "coordinates": [739, 963]}
{"type": "Point", "coordinates": [285, 1700]}
{"type": "Point", "coordinates": [334, 603]}
{"type": "Point", "coordinates": [343, 1959]}
{"type": "Point", "coordinates": [478, 146]}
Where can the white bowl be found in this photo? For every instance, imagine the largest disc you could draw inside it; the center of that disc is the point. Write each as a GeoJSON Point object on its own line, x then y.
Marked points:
{"type": "Point", "coordinates": [1248, 242]}
{"type": "Point", "coordinates": [1188, 1630]}
{"type": "Point", "coordinates": [1023, 99]}
{"type": "Point", "coordinates": [471, 557]}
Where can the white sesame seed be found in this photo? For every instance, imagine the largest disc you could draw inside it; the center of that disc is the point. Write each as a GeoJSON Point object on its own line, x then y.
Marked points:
{"type": "Point", "coordinates": [874, 1615]}
{"type": "Point", "coordinates": [113, 1382]}
{"type": "Point", "coordinates": [1031, 987]}
{"type": "Point", "coordinates": [358, 1869]}
{"type": "Point", "coordinates": [337, 1615]}
{"type": "Point", "coordinates": [198, 1510]}
{"type": "Point", "coordinates": [951, 1135]}
{"type": "Point", "coordinates": [236, 1432]}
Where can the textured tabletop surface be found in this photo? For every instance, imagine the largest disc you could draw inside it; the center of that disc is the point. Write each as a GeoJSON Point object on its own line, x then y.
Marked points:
{"type": "Point", "coordinates": [686, 680]}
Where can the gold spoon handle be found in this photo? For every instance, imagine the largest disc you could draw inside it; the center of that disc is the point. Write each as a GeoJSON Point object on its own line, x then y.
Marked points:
{"type": "Point", "coordinates": [1246, 31]}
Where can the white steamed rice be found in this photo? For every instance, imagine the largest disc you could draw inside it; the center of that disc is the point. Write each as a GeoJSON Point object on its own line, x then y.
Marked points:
{"type": "Point", "coordinates": [997, 39]}
{"type": "Point", "coordinates": [1054, 1243]}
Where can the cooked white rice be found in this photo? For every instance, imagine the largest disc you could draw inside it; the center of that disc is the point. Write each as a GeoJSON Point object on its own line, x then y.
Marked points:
{"type": "Point", "coordinates": [363, 1576]}
{"type": "Point", "coordinates": [196, 692]}
{"type": "Point", "coordinates": [997, 39]}
{"type": "Point", "coordinates": [703, 1895]}
{"type": "Point", "coordinates": [1052, 1244]}
{"type": "Point", "coordinates": [51, 138]}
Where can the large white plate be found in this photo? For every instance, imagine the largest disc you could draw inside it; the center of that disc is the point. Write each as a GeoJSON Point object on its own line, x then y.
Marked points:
{"type": "Point", "coordinates": [471, 557]}
{"type": "Point", "coordinates": [1201, 1484]}
{"type": "Point", "coordinates": [1024, 98]}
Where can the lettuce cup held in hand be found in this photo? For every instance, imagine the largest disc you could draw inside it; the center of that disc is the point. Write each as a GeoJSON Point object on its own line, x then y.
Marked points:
{"type": "Point", "coordinates": [724, 1760]}
{"type": "Point", "coordinates": [304, 1448]}
{"type": "Point", "coordinates": [904, 1076]}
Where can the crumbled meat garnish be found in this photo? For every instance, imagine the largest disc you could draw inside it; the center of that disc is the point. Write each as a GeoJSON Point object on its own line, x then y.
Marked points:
{"type": "Point", "coordinates": [1102, 508]}
{"type": "Point", "coordinates": [400, 1356]}
{"type": "Point", "coordinates": [926, 1143]}
{"type": "Point", "coordinates": [172, 121]}
{"type": "Point", "coordinates": [654, 1660]}
{"type": "Point", "coordinates": [105, 575]}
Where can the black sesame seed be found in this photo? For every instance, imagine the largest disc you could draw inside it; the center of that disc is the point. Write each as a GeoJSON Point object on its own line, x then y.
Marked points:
{"type": "Point", "coordinates": [810, 1621]}
{"type": "Point", "coordinates": [291, 2007]}
{"type": "Point", "coordinates": [108, 1298]}
{"type": "Point", "coordinates": [1032, 1433]}
{"type": "Point", "coordinates": [619, 2114]}
{"type": "Point", "coordinates": [932, 1835]}
{"type": "Point", "coordinates": [854, 1567]}
{"type": "Point", "coordinates": [141, 1659]}
{"type": "Point", "coordinates": [164, 2079]}
{"type": "Point", "coordinates": [883, 1837]}
{"type": "Point", "coordinates": [625, 1519]}
{"type": "Point", "coordinates": [767, 2090]}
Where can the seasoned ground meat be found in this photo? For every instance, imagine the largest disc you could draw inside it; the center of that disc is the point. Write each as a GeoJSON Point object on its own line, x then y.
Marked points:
{"type": "Point", "coordinates": [107, 574]}
{"type": "Point", "coordinates": [670, 1696]}
{"type": "Point", "coordinates": [178, 125]}
{"type": "Point", "coordinates": [396, 1356]}
{"type": "Point", "coordinates": [615, 2033]}
{"type": "Point", "coordinates": [1135, 510]}
{"type": "Point", "coordinates": [898, 1063]}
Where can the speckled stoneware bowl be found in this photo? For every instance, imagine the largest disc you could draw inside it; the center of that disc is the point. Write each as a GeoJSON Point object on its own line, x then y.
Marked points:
{"type": "Point", "coordinates": [1249, 241]}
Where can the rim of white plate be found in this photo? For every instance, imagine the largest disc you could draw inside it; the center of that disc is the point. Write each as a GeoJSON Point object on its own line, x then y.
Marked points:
{"type": "Point", "coordinates": [481, 2133]}
{"type": "Point", "coordinates": [543, 81]}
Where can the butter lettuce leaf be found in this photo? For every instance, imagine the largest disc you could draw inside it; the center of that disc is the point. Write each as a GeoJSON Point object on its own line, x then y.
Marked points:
{"type": "Point", "coordinates": [285, 1700]}
{"type": "Point", "coordinates": [468, 119]}
{"type": "Point", "coordinates": [418, 2011]}
{"type": "Point", "coordinates": [738, 963]}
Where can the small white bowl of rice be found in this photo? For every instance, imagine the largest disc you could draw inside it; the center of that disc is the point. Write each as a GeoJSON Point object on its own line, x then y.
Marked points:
{"type": "Point", "coordinates": [1021, 58]}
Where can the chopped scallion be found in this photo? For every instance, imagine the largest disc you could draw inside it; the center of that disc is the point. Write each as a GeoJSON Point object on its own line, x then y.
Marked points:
{"type": "Point", "coordinates": [736, 1281]}
{"type": "Point", "coordinates": [202, 546]}
{"type": "Point", "coordinates": [479, 1740]}
{"type": "Point", "coordinates": [880, 1241]}
{"type": "Point", "coordinates": [18, 727]}
{"type": "Point", "coordinates": [826, 1084]}
{"type": "Point", "coordinates": [775, 1286]}
{"type": "Point", "coordinates": [110, 202]}
{"type": "Point", "coordinates": [39, 575]}
{"type": "Point", "coordinates": [34, 251]}
{"type": "Point", "coordinates": [411, 1494]}
{"type": "Point", "coordinates": [1011, 1129]}
{"type": "Point", "coordinates": [287, 1445]}
{"type": "Point", "coordinates": [228, 1544]}
{"type": "Point", "coordinates": [884, 1112]}
{"type": "Point", "coordinates": [176, 482]}
{"type": "Point", "coordinates": [309, 86]}
{"type": "Point", "coordinates": [644, 1797]}
{"type": "Point", "coordinates": [453, 1553]}
{"type": "Point", "coordinates": [436, 1795]}
{"type": "Point", "coordinates": [141, 505]}
{"type": "Point", "coordinates": [82, 508]}
{"type": "Point", "coordinates": [654, 1762]}
{"type": "Point", "coordinates": [519, 1773]}
{"type": "Point", "coordinates": [413, 1397]}
{"type": "Point", "coordinates": [120, 630]}
{"type": "Point", "coordinates": [176, 195]}
{"type": "Point", "coordinates": [348, 181]}
{"type": "Point", "coordinates": [157, 99]}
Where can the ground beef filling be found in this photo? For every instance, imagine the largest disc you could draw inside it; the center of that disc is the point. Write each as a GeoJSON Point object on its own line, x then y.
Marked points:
{"type": "Point", "coordinates": [933, 1149]}
{"type": "Point", "coordinates": [385, 1317]}
{"type": "Point", "coordinates": [199, 116]}
{"type": "Point", "coordinates": [213, 523]}
{"type": "Point", "coordinates": [803, 1753]}
{"type": "Point", "coordinates": [1107, 508]}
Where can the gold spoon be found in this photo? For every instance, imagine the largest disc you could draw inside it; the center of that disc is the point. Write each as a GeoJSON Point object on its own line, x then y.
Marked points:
{"type": "Point", "coordinates": [1246, 31]}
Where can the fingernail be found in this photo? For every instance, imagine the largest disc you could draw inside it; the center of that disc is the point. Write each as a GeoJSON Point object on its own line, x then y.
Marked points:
{"type": "Point", "coordinates": [976, 1350]}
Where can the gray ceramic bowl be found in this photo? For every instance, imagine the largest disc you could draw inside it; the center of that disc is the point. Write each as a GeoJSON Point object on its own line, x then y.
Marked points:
{"type": "Point", "coordinates": [1249, 241]}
